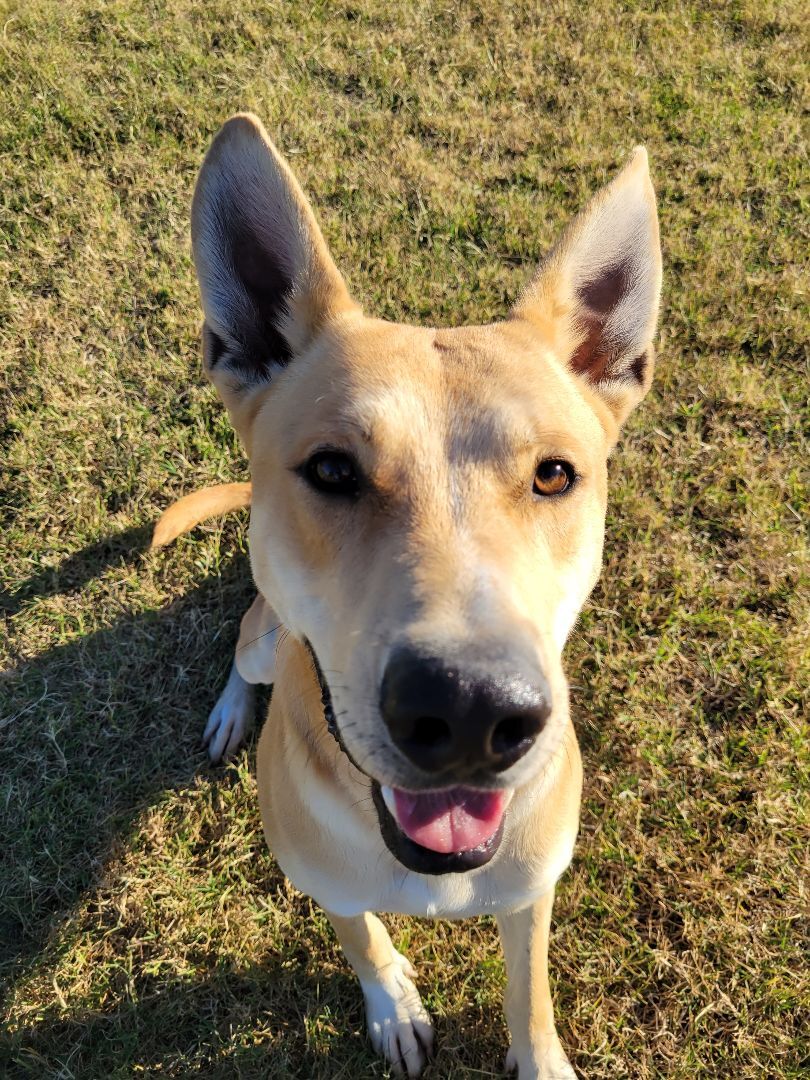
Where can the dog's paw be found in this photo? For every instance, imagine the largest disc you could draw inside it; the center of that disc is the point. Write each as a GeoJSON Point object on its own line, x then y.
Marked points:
{"type": "Point", "coordinates": [231, 718]}
{"type": "Point", "coordinates": [398, 1024]}
{"type": "Point", "coordinates": [544, 1062]}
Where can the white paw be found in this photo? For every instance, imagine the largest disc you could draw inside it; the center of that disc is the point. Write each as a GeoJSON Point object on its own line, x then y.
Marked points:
{"type": "Point", "coordinates": [546, 1061]}
{"type": "Point", "coordinates": [399, 1027]}
{"type": "Point", "coordinates": [230, 719]}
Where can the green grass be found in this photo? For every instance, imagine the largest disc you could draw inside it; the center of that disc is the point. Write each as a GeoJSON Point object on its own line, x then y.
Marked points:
{"type": "Point", "coordinates": [144, 928]}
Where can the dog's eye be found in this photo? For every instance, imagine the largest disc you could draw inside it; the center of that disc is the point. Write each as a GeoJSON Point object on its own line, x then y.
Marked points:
{"type": "Point", "coordinates": [553, 477]}
{"type": "Point", "coordinates": [332, 472]}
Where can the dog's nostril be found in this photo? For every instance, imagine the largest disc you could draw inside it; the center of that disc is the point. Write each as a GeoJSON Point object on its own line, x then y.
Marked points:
{"type": "Point", "coordinates": [430, 733]}
{"type": "Point", "coordinates": [510, 732]}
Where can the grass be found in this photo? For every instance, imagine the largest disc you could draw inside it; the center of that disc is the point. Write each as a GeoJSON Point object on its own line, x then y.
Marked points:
{"type": "Point", "coordinates": [144, 928]}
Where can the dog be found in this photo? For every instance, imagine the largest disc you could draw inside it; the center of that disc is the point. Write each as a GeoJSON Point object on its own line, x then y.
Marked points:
{"type": "Point", "coordinates": [427, 521]}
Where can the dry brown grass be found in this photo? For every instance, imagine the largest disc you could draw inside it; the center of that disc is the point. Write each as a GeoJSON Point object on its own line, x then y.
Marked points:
{"type": "Point", "coordinates": [144, 928]}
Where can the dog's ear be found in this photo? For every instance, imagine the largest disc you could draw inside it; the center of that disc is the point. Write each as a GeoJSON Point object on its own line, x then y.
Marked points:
{"type": "Point", "coordinates": [267, 280]}
{"type": "Point", "coordinates": [596, 294]}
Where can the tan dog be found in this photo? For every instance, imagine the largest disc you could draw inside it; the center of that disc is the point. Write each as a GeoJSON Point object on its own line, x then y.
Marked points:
{"type": "Point", "coordinates": [427, 520]}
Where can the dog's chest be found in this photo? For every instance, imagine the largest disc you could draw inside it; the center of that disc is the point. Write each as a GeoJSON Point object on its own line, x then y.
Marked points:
{"type": "Point", "coordinates": [457, 896]}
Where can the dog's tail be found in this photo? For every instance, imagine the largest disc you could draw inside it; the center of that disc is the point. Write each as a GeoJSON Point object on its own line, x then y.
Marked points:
{"type": "Point", "coordinates": [192, 509]}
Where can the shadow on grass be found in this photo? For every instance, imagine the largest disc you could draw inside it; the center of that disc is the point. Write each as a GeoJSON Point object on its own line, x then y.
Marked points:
{"type": "Point", "coordinates": [272, 1020]}
{"type": "Point", "coordinates": [94, 731]}
{"type": "Point", "coordinates": [80, 567]}
{"type": "Point", "coordinates": [249, 1022]}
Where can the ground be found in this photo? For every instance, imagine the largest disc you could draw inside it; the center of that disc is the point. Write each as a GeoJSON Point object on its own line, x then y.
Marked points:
{"type": "Point", "coordinates": [144, 928]}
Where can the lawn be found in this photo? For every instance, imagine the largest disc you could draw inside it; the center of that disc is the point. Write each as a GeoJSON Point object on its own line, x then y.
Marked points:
{"type": "Point", "coordinates": [144, 928]}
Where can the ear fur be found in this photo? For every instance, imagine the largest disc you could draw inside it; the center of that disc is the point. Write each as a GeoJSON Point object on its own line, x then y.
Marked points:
{"type": "Point", "coordinates": [267, 280]}
{"type": "Point", "coordinates": [596, 294]}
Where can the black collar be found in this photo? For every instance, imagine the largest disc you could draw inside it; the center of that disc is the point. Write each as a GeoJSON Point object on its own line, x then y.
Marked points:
{"type": "Point", "coordinates": [326, 699]}
{"type": "Point", "coordinates": [329, 711]}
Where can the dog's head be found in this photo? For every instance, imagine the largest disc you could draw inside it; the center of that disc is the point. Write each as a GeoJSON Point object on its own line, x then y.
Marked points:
{"type": "Point", "coordinates": [428, 505]}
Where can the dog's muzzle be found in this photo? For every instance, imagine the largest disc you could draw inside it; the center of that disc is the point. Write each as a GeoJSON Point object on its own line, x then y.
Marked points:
{"type": "Point", "coordinates": [452, 829]}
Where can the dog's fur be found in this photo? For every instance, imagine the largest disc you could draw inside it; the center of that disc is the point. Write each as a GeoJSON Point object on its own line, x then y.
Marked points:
{"type": "Point", "coordinates": [446, 550]}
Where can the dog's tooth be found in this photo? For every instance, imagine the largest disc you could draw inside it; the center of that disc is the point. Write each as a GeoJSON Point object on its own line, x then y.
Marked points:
{"type": "Point", "coordinates": [388, 799]}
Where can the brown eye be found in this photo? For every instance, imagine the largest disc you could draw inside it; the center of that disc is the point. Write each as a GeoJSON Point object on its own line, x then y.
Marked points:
{"type": "Point", "coordinates": [553, 477]}
{"type": "Point", "coordinates": [332, 473]}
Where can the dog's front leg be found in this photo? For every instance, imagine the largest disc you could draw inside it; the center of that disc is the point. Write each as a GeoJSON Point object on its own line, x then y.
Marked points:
{"type": "Point", "coordinates": [398, 1024]}
{"type": "Point", "coordinates": [535, 1050]}
{"type": "Point", "coordinates": [255, 662]}
{"type": "Point", "coordinates": [231, 718]}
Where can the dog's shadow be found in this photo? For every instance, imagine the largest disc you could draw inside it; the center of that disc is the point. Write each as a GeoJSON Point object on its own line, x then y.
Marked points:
{"type": "Point", "coordinates": [272, 1021]}
{"type": "Point", "coordinates": [93, 732]}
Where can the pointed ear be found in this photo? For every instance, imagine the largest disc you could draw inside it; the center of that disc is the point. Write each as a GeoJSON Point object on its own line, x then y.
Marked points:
{"type": "Point", "coordinates": [596, 294]}
{"type": "Point", "coordinates": [267, 280]}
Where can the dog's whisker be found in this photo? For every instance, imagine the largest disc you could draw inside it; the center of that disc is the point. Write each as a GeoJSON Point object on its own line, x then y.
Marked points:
{"type": "Point", "coordinates": [259, 638]}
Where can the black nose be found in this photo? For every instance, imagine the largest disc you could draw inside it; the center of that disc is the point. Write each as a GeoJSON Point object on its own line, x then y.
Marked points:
{"type": "Point", "coordinates": [460, 721]}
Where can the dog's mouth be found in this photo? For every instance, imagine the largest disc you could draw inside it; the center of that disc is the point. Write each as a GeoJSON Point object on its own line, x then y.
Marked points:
{"type": "Point", "coordinates": [441, 832]}
{"type": "Point", "coordinates": [454, 820]}
{"type": "Point", "coordinates": [447, 831]}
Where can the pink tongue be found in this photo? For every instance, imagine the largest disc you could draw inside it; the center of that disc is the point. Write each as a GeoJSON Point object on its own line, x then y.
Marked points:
{"type": "Point", "coordinates": [458, 819]}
